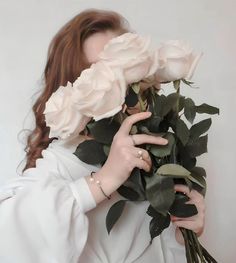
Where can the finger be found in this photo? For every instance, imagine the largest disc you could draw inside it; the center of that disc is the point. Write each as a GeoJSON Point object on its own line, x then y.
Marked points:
{"type": "Point", "coordinates": [182, 188]}
{"type": "Point", "coordinates": [200, 205]}
{"type": "Point", "coordinates": [200, 214]}
{"type": "Point", "coordinates": [191, 225]}
{"type": "Point", "coordinates": [129, 121]}
{"type": "Point", "coordinates": [141, 164]}
{"type": "Point", "coordinates": [145, 155]}
{"type": "Point", "coordinates": [190, 218]}
{"type": "Point", "coordinates": [144, 138]}
{"type": "Point", "coordinates": [197, 227]}
{"type": "Point", "coordinates": [195, 196]}
{"type": "Point", "coordinates": [196, 199]}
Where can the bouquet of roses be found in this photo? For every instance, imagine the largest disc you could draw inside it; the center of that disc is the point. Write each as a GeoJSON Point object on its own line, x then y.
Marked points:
{"type": "Point", "coordinates": [127, 79]}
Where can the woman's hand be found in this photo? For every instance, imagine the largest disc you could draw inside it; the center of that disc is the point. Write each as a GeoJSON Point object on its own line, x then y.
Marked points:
{"type": "Point", "coordinates": [194, 223]}
{"type": "Point", "coordinates": [124, 153]}
{"type": "Point", "coordinates": [124, 156]}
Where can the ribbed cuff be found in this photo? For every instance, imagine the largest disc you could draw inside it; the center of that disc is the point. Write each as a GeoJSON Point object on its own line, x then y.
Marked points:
{"type": "Point", "coordinates": [82, 194]}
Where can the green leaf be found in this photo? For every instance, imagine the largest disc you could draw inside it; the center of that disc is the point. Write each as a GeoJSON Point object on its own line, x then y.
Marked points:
{"type": "Point", "coordinates": [106, 149]}
{"type": "Point", "coordinates": [187, 82]}
{"type": "Point", "coordinates": [136, 87]}
{"type": "Point", "coordinates": [189, 110]}
{"type": "Point", "coordinates": [133, 186]}
{"type": "Point", "coordinates": [104, 130]}
{"type": "Point", "coordinates": [173, 169]}
{"type": "Point", "coordinates": [163, 150]}
{"type": "Point", "coordinates": [199, 174]}
{"type": "Point", "coordinates": [201, 190]}
{"type": "Point", "coordinates": [181, 102]}
{"type": "Point", "coordinates": [198, 147]}
{"type": "Point", "coordinates": [170, 103]}
{"type": "Point", "coordinates": [160, 192]}
{"type": "Point", "coordinates": [131, 98]}
{"type": "Point", "coordinates": [128, 193]}
{"type": "Point", "coordinates": [153, 124]}
{"type": "Point", "coordinates": [205, 108]}
{"type": "Point", "coordinates": [197, 179]}
{"type": "Point", "coordinates": [199, 128]}
{"type": "Point", "coordinates": [173, 154]}
{"type": "Point", "coordinates": [136, 179]}
{"type": "Point", "coordinates": [152, 212]}
{"type": "Point", "coordinates": [144, 130]}
{"type": "Point", "coordinates": [134, 129]}
{"type": "Point", "coordinates": [179, 207]}
{"type": "Point", "coordinates": [189, 183]}
{"type": "Point", "coordinates": [114, 214]}
{"type": "Point", "coordinates": [158, 224]}
{"type": "Point", "coordinates": [187, 161]}
{"type": "Point", "coordinates": [182, 131]}
{"type": "Point", "coordinates": [160, 101]}
{"type": "Point", "coordinates": [142, 102]}
{"type": "Point", "coordinates": [150, 125]}
{"type": "Point", "coordinates": [199, 171]}
{"type": "Point", "coordinates": [91, 152]}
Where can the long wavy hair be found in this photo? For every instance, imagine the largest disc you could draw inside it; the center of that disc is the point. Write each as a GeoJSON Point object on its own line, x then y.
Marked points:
{"type": "Point", "coordinates": [65, 62]}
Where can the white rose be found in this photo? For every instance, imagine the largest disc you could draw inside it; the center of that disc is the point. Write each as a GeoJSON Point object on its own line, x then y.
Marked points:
{"type": "Point", "coordinates": [61, 116]}
{"type": "Point", "coordinates": [132, 53]}
{"type": "Point", "coordinates": [100, 91]}
{"type": "Point", "coordinates": [176, 60]}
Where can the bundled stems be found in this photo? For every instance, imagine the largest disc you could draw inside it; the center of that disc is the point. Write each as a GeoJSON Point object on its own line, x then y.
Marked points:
{"type": "Point", "coordinates": [195, 252]}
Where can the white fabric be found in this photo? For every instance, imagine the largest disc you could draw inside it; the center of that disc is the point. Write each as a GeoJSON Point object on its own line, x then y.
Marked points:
{"type": "Point", "coordinates": [49, 215]}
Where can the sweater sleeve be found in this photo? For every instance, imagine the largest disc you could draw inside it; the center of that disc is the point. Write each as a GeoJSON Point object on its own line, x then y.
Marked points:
{"type": "Point", "coordinates": [43, 216]}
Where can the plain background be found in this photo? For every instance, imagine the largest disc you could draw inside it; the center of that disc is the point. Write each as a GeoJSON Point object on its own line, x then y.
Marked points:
{"type": "Point", "coordinates": [26, 29]}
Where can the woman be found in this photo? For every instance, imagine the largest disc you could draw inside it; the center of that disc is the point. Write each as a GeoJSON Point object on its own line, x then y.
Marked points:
{"type": "Point", "coordinates": [53, 212]}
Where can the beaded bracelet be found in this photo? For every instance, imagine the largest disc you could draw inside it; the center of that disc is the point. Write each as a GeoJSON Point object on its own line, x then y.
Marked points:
{"type": "Point", "coordinates": [92, 179]}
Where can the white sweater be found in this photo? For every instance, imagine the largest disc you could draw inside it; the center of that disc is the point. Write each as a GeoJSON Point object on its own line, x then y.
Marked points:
{"type": "Point", "coordinates": [49, 215]}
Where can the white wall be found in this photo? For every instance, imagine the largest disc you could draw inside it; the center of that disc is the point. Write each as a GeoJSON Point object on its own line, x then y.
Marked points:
{"type": "Point", "coordinates": [26, 28]}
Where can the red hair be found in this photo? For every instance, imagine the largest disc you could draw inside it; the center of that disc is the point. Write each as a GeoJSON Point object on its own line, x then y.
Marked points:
{"type": "Point", "coordinates": [65, 62]}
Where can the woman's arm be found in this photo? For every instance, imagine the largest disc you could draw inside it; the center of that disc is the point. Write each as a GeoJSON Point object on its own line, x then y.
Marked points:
{"type": "Point", "coordinates": [43, 216]}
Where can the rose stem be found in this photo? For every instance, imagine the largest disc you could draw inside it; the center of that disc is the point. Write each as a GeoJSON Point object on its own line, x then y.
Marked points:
{"type": "Point", "coordinates": [194, 253]}
{"type": "Point", "coordinates": [197, 245]}
{"type": "Point", "coordinates": [187, 247]}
